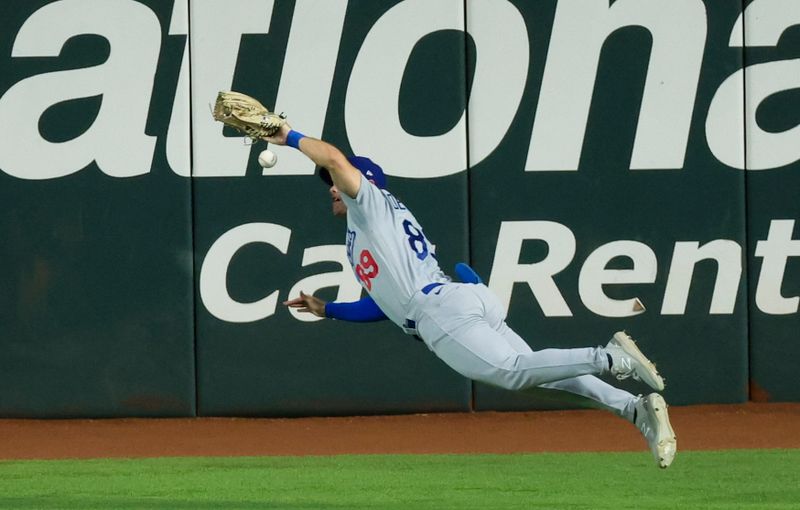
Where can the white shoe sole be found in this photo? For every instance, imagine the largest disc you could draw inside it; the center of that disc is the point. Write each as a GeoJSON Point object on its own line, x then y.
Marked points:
{"type": "Point", "coordinates": [666, 445]}
{"type": "Point", "coordinates": [650, 376]}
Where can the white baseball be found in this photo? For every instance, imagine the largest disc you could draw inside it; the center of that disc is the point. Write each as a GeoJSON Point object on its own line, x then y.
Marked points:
{"type": "Point", "coordinates": [267, 158]}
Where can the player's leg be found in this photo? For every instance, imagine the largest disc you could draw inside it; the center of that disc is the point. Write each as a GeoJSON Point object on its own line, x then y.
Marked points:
{"type": "Point", "coordinates": [648, 413]}
{"type": "Point", "coordinates": [477, 351]}
{"type": "Point", "coordinates": [457, 325]}
{"type": "Point", "coordinates": [620, 402]}
{"type": "Point", "coordinates": [628, 359]}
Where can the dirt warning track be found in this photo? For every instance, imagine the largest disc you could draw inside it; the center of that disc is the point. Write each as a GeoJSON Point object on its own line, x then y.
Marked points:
{"type": "Point", "coordinates": [752, 425]}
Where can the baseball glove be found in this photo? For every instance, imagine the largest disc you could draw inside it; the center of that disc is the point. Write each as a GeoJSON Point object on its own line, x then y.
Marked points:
{"type": "Point", "coordinates": [246, 115]}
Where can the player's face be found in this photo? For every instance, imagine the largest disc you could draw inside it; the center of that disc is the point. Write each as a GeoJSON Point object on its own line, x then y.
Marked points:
{"type": "Point", "coordinates": [339, 207]}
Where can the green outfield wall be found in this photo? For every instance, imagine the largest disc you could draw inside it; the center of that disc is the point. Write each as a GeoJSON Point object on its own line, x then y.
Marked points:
{"type": "Point", "coordinates": [581, 154]}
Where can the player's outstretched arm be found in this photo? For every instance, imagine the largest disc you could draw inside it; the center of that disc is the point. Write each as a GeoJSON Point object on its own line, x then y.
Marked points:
{"type": "Point", "coordinates": [363, 310]}
{"type": "Point", "coordinates": [346, 178]}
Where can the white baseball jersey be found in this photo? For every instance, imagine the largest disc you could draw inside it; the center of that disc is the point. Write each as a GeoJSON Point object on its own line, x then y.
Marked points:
{"type": "Point", "coordinates": [463, 324]}
{"type": "Point", "coordinates": [389, 253]}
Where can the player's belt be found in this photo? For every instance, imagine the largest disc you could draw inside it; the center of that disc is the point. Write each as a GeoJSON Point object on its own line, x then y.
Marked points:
{"type": "Point", "coordinates": [428, 288]}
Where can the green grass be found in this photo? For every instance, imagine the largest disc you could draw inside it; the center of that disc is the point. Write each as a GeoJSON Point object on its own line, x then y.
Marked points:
{"type": "Point", "coordinates": [724, 479]}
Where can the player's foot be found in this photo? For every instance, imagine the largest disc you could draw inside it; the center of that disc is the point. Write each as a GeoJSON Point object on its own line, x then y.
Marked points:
{"type": "Point", "coordinates": [652, 421]}
{"type": "Point", "coordinates": [628, 361]}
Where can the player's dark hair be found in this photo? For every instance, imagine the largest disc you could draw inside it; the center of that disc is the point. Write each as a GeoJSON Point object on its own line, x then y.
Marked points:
{"type": "Point", "coordinates": [366, 166]}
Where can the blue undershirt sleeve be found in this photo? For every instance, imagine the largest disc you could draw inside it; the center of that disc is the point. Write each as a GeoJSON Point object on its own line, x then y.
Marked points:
{"type": "Point", "coordinates": [364, 310]}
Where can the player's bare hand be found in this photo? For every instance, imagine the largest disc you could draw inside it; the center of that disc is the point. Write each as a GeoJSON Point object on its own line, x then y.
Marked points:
{"type": "Point", "coordinates": [307, 304]}
{"type": "Point", "coordinates": [279, 138]}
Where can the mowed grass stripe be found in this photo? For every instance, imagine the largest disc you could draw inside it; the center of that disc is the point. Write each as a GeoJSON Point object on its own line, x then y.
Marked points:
{"type": "Point", "coordinates": [719, 479]}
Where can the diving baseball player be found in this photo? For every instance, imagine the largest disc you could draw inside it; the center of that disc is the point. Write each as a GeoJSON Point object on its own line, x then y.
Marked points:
{"type": "Point", "coordinates": [462, 323]}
